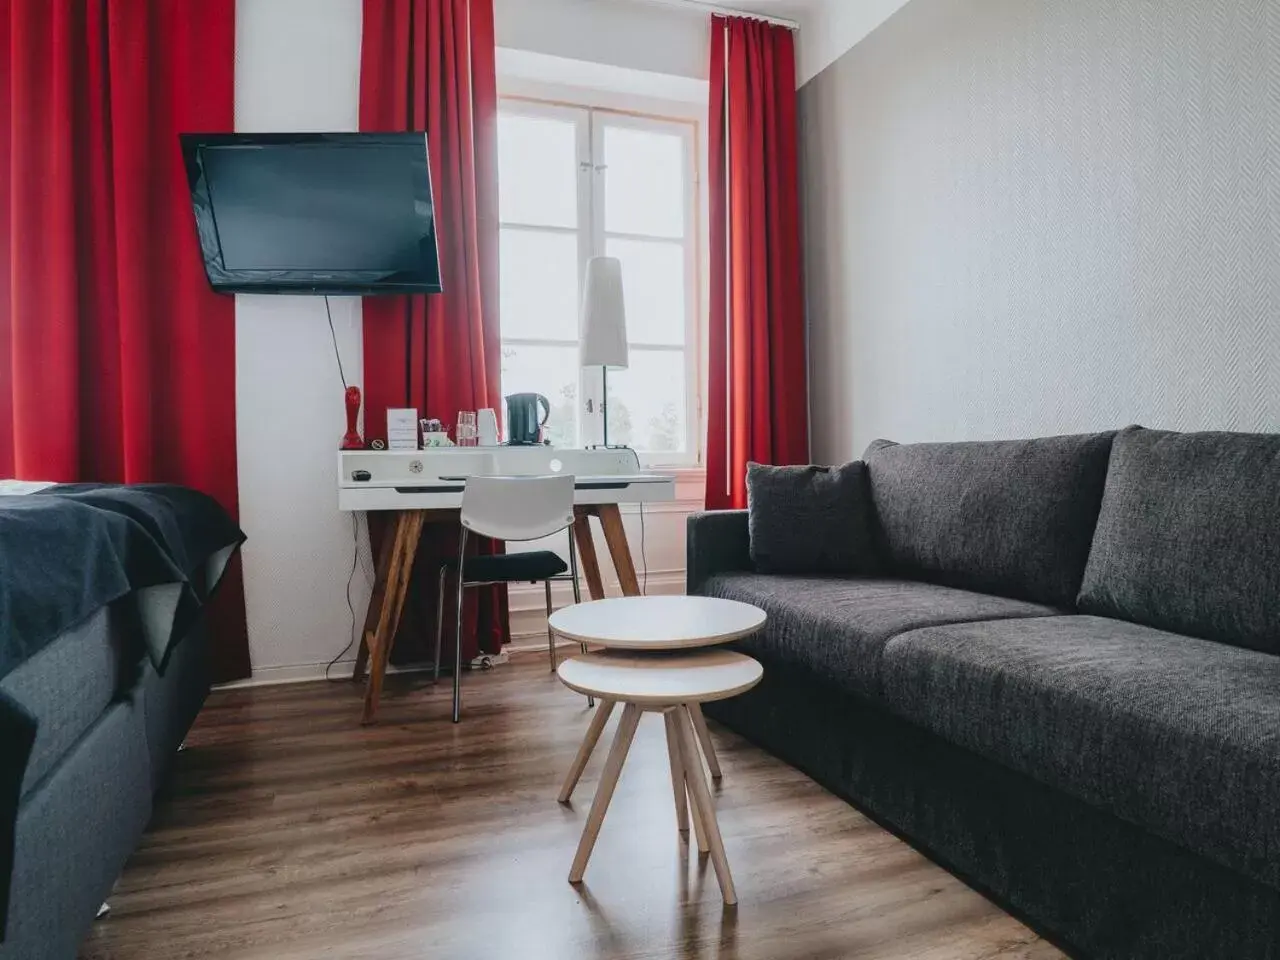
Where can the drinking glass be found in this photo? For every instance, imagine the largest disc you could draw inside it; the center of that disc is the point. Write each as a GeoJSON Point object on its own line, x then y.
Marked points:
{"type": "Point", "coordinates": [466, 429]}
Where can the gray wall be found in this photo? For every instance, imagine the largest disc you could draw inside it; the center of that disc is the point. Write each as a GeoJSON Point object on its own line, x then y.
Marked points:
{"type": "Point", "coordinates": [1037, 216]}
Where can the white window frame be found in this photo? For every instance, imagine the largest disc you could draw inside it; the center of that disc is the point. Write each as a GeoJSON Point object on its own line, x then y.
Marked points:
{"type": "Point", "coordinates": [590, 122]}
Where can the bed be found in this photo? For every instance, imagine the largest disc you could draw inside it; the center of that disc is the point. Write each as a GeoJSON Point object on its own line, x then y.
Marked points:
{"type": "Point", "coordinates": [104, 646]}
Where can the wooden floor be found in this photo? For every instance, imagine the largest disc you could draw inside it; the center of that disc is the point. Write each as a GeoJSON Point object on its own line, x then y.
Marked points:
{"type": "Point", "coordinates": [290, 832]}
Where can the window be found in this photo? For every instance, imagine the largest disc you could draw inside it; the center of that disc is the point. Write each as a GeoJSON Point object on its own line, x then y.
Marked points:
{"type": "Point", "coordinates": [579, 182]}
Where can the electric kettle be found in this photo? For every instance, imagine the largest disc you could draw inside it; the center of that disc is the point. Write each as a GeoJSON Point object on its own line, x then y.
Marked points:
{"type": "Point", "coordinates": [524, 426]}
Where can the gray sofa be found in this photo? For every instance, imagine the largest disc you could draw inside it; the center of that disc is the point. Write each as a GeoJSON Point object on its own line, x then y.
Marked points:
{"type": "Point", "coordinates": [1064, 685]}
{"type": "Point", "coordinates": [108, 728]}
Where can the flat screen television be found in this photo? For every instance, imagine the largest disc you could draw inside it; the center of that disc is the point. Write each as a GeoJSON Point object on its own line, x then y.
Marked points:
{"type": "Point", "coordinates": [314, 213]}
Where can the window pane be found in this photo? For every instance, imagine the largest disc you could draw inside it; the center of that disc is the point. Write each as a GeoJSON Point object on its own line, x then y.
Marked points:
{"type": "Point", "coordinates": [647, 402]}
{"type": "Point", "coordinates": [644, 182]}
{"type": "Point", "coordinates": [539, 285]}
{"type": "Point", "coordinates": [537, 171]}
{"type": "Point", "coordinates": [653, 285]}
{"type": "Point", "coordinates": [552, 372]}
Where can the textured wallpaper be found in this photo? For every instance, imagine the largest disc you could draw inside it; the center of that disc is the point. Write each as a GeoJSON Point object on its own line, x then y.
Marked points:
{"type": "Point", "coordinates": [1038, 216]}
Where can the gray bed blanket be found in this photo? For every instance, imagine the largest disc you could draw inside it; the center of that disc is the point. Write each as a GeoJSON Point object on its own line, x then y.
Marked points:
{"type": "Point", "coordinates": [66, 552]}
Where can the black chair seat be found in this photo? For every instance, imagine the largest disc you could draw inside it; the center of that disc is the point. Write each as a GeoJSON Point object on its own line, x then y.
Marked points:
{"type": "Point", "coordinates": [512, 567]}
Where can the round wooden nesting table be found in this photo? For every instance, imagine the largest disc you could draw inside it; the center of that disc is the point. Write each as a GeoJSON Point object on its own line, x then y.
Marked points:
{"type": "Point", "coordinates": [652, 624]}
{"type": "Point", "coordinates": [668, 676]}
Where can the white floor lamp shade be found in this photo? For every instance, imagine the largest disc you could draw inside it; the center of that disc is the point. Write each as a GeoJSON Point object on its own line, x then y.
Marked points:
{"type": "Point", "coordinates": [603, 324]}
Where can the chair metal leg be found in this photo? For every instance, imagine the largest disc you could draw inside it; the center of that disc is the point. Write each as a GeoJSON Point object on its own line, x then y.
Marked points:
{"type": "Point", "coordinates": [577, 592]}
{"type": "Point", "coordinates": [457, 646]}
{"type": "Point", "coordinates": [573, 564]}
{"type": "Point", "coordinates": [435, 665]}
{"type": "Point", "coordinates": [551, 637]}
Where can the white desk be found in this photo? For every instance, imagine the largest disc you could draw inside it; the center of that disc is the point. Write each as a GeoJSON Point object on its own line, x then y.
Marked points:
{"type": "Point", "coordinates": [425, 486]}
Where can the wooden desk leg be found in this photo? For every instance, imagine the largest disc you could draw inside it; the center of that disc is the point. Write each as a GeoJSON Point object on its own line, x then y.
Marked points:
{"type": "Point", "coordinates": [587, 559]}
{"type": "Point", "coordinates": [589, 742]}
{"type": "Point", "coordinates": [704, 809]}
{"type": "Point", "coordinates": [704, 738]}
{"type": "Point", "coordinates": [604, 793]}
{"type": "Point", "coordinates": [615, 535]}
{"type": "Point", "coordinates": [375, 603]}
{"type": "Point", "coordinates": [408, 530]}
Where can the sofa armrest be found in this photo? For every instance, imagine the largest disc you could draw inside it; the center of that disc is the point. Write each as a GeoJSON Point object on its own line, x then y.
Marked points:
{"type": "Point", "coordinates": [717, 541]}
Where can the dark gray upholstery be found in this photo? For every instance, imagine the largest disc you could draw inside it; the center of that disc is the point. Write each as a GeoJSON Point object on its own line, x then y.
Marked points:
{"type": "Point", "coordinates": [512, 567]}
{"type": "Point", "coordinates": [1176, 734]}
{"type": "Point", "coordinates": [1013, 517]}
{"type": "Point", "coordinates": [108, 728]}
{"type": "Point", "coordinates": [1096, 885]}
{"type": "Point", "coordinates": [812, 520]}
{"type": "Point", "coordinates": [67, 685]}
{"type": "Point", "coordinates": [717, 541]}
{"type": "Point", "coordinates": [1188, 538]}
{"type": "Point", "coordinates": [74, 834]}
{"type": "Point", "coordinates": [171, 702]}
{"type": "Point", "coordinates": [837, 628]}
{"type": "Point", "coordinates": [1115, 784]}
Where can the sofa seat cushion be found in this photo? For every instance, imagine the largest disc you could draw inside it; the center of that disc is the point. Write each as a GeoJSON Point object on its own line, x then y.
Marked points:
{"type": "Point", "coordinates": [1178, 735]}
{"type": "Point", "coordinates": [836, 629]}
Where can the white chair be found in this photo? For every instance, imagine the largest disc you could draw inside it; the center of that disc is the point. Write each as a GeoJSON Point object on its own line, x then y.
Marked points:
{"type": "Point", "coordinates": [511, 509]}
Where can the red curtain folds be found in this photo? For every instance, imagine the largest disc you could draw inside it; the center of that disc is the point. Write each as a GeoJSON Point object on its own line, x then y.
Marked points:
{"type": "Point", "coordinates": [758, 406]}
{"type": "Point", "coordinates": [117, 362]}
{"type": "Point", "coordinates": [430, 65]}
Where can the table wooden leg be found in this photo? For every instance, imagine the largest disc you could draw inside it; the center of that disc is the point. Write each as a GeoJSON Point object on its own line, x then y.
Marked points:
{"type": "Point", "coordinates": [690, 770]}
{"type": "Point", "coordinates": [703, 807]}
{"type": "Point", "coordinates": [704, 738]}
{"type": "Point", "coordinates": [677, 772]}
{"type": "Point", "coordinates": [604, 793]}
{"type": "Point", "coordinates": [587, 559]}
{"type": "Point", "coordinates": [615, 535]}
{"type": "Point", "coordinates": [584, 752]}
{"type": "Point", "coordinates": [376, 599]}
{"type": "Point", "coordinates": [408, 530]}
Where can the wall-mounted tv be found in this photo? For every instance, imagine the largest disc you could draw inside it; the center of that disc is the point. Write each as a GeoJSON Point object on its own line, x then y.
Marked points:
{"type": "Point", "coordinates": [314, 213]}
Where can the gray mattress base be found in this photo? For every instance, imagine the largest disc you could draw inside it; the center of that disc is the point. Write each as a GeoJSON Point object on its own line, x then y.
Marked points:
{"type": "Point", "coordinates": [79, 824]}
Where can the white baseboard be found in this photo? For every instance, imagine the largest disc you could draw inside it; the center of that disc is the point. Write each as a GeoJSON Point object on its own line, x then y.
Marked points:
{"type": "Point", "coordinates": [528, 631]}
{"type": "Point", "coordinates": [308, 672]}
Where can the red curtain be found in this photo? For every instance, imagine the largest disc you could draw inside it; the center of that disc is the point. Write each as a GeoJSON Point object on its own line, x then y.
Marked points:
{"type": "Point", "coordinates": [758, 397]}
{"type": "Point", "coordinates": [430, 65]}
{"type": "Point", "coordinates": [117, 362]}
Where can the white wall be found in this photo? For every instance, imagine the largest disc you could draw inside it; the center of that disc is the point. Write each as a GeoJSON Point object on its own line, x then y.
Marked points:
{"type": "Point", "coordinates": [1017, 227]}
{"type": "Point", "coordinates": [298, 68]}
{"type": "Point", "coordinates": [617, 32]}
{"type": "Point", "coordinates": [831, 27]}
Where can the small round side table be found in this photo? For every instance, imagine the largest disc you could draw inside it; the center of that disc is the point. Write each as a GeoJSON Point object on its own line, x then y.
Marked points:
{"type": "Point", "coordinates": [652, 624]}
{"type": "Point", "coordinates": [671, 685]}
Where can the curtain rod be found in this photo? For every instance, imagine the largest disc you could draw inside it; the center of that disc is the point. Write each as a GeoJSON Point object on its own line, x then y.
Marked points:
{"type": "Point", "coordinates": [724, 11]}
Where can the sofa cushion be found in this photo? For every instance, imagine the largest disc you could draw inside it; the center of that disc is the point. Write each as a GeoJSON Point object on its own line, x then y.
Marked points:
{"type": "Point", "coordinates": [811, 519]}
{"type": "Point", "coordinates": [70, 683]}
{"type": "Point", "coordinates": [836, 629]}
{"type": "Point", "coordinates": [1188, 537]}
{"type": "Point", "coordinates": [1011, 517]}
{"type": "Point", "coordinates": [1178, 735]}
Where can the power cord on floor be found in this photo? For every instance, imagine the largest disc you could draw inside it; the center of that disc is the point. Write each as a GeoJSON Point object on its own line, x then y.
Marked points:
{"type": "Point", "coordinates": [355, 562]}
